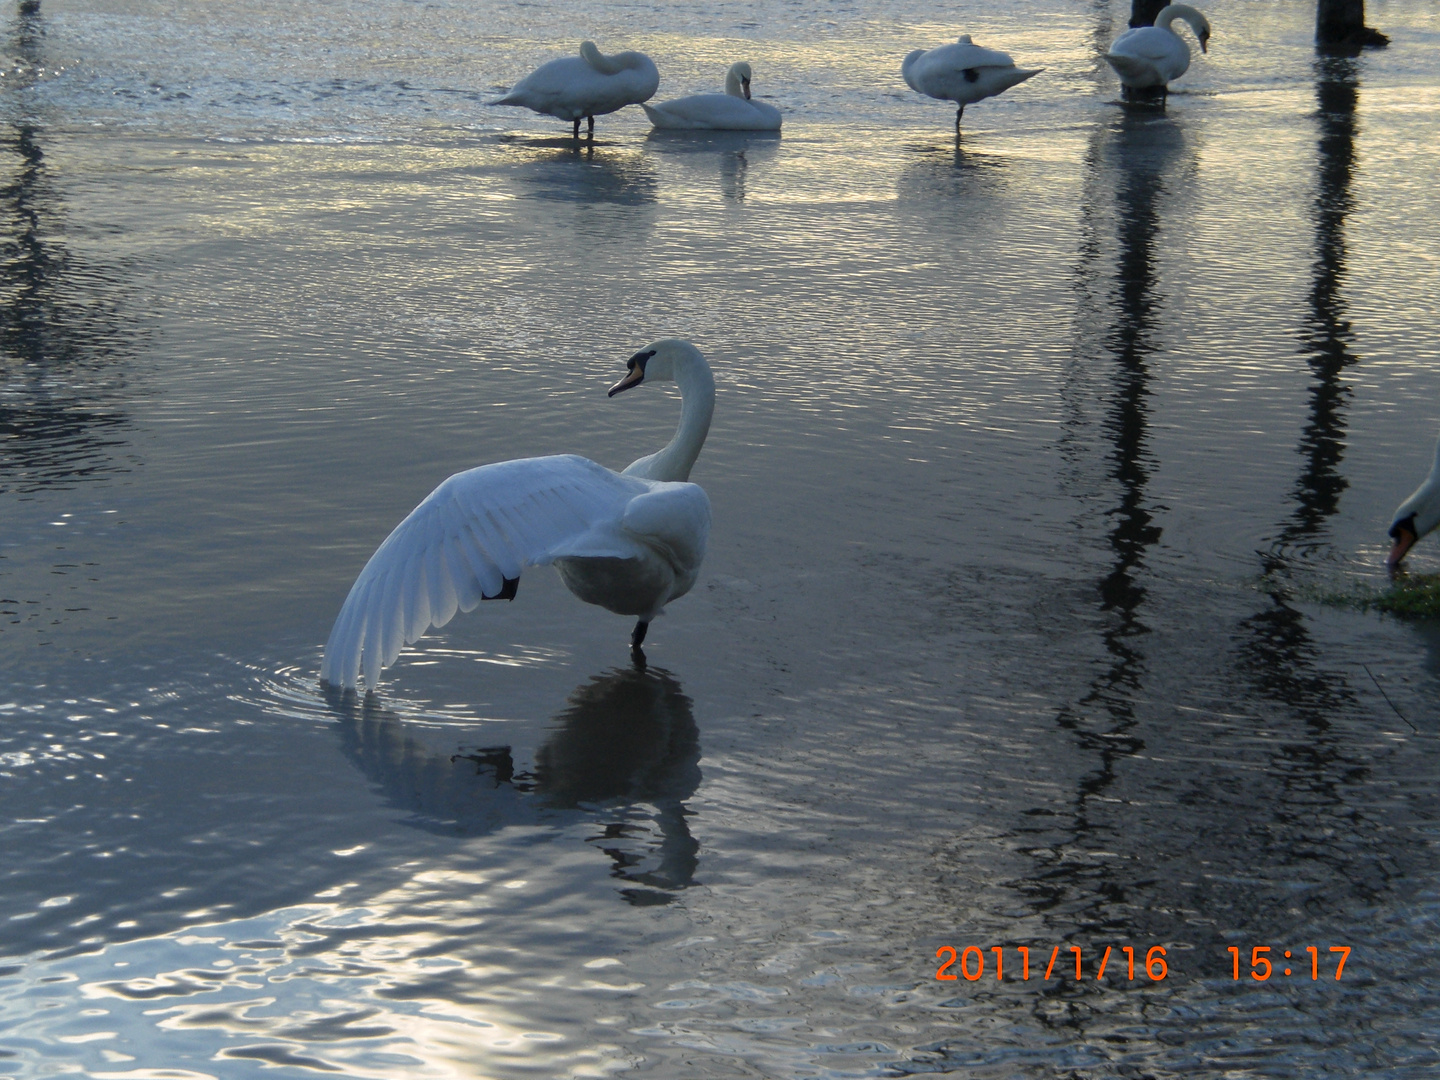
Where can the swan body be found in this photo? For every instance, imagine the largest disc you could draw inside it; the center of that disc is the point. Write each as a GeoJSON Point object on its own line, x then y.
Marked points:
{"type": "Point", "coordinates": [630, 541]}
{"type": "Point", "coordinates": [963, 73]}
{"type": "Point", "coordinates": [583, 87]}
{"type": "Point", "coordinates": [733, 110]}
{"type": "Point", "coordinates": [1147, 57]}
{"type": "Point", "coordinates": [1416, 516]}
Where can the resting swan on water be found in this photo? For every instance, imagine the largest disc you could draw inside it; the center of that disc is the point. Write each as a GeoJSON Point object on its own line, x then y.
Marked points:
{"type": "Point", "coordinates": [585, 86]}
{"type": "Point", "coordinates": [731, 111]}
{"type": "Point", "coordinates": [630, 542]}
{"type": "Point", "coordinates": [1416, 516]}
{"type": "Point", "coordinates": [963, 73]}
{"type": "Point", "coordinates": [1150, 57]}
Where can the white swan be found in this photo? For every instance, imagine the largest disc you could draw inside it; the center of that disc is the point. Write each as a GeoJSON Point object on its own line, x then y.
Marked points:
{"type": "Point", "coordinates": [731, 111]}
{"type": "Point", "coordinates": [585, 86]}
{"type": "Point", "coordinates": [1416, 516]}
{"type": "Point", "coordinates": [630, 541]}
{"type": "Point", "coordinates": [963, 73]}
{"type": "Point", "coordinates": [1153, 56]}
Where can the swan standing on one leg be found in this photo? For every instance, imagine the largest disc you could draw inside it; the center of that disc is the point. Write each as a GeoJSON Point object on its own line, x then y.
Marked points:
{"type": "Point", "coordinates": [630, 542]}
{"type": "Point", "coordinates": [585, 86]}
{"type": "Point", "coordinates": [731, 111]}
{"type": "Point", "coordinates": [963, 73]}
{"type": "Point", "coordinates": [1416, 516]}
{"type": "Point", "coordinates": [1151, 57]}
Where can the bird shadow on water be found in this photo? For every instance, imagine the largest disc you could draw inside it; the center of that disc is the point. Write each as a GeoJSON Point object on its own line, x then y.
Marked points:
{"type": "Point", "coordinates": [624, 753]}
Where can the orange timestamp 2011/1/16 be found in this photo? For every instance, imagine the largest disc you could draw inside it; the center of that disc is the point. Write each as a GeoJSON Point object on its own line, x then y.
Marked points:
{"type": "Point", "coordinates": [970, 963]}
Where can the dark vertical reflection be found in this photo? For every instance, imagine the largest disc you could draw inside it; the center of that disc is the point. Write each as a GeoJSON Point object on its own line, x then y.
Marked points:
{"type": "Point", "coordinates": [1127, 165]}
{"type": "Point", "coordinates": [1328, 335]}
{"type": "Point", "coordinates": [1276, 650]}
{"type": "Point", "coordinates": [61, 333]}
{"type": "Point", "coordinates": [625, 745]}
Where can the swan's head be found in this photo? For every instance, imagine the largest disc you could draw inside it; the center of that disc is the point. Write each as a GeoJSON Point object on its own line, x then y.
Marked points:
{"type": "Point", "coordinates": [737, 80]}
{"type": "Point", "coordinates": [657, 362]}
{"type": "Point", "coordinates": [1417, 516]}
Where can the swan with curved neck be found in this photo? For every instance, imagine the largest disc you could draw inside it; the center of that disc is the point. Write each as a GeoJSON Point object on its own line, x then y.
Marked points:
{"type": "Point", "coordinates": [733, 110]}
{"type": "Point", "coordinates": [1151, 57]}
{"type": "Point", "coordinates": [1417, 516]}
{"type": "Point", "coordinates": [583, 87]}
{"type": "Point", "coordinates": [963, 73]}
{"type": "Point", "coordinates": [630, 541]}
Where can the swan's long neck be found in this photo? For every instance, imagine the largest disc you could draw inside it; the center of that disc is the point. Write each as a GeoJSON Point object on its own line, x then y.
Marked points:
{"type": "Point", "coordinates": [1181, 11]}
{"type": "Point", "coordinates": [734, 84]}
{"type": "Point", "coordinates": [609, 65]}
{"type": "Point", "coordinates": [697, 405]}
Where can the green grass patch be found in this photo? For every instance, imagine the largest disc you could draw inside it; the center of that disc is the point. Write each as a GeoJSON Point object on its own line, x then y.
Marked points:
{"type": "Point", "coordinates": [1414, 596]}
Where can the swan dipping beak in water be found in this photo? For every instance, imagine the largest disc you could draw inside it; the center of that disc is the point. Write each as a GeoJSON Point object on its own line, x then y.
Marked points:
{"type": "Point", "coordinates": [1417, 516]}
{"type": "Point", "coordinates": [1151, 57]}
{"type": "Point", "coordinates": [630, 541]}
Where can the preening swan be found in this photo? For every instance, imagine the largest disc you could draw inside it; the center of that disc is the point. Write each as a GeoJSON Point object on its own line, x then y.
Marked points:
{"type": "Point", "coordinates": [585, 86]}
{"type": "Point", "coordinates": [1417, 515]}
{"type": "Point", "coordinates": [963, 73]}
{"type": "Point", "coordinates": [731, 111]}
{"type": "Point", "coordinates": [1149, 57]}
{"type": "Point", "coordinates": [630, 542]}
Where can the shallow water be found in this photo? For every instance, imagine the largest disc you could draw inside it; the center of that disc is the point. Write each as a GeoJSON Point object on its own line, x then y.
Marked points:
{"type": "Point", "coordinates": [1029, 460]}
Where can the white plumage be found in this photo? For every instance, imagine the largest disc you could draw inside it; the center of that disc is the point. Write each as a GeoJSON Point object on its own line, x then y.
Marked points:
{"type": "Point", "coordinates": [733, 110]}
{"type": "Point", "coordinates": [583, 87]}
{"type": "Point", "coordinates": [963, 73]}
{"type": "Point", "coordinates": [630, 542]}
{"type": "Point", "coordinates": [1147, 57]}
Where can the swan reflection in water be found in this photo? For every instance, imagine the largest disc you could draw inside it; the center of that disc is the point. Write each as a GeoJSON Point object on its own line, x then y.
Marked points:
{"type": "Point", "coordinates": [702, 153]}
{"type": "Point", "coordinates": [624, 752]}
{"type": "Point", "coordinates": [562, 170]}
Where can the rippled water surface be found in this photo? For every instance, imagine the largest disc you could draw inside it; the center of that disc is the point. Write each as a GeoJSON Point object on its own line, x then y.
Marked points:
{"type": "Point", "coordinates": [1033, 462]}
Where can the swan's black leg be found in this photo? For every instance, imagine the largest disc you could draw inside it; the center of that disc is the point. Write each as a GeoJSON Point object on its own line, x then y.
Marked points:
{"type": "Point", "coordinates": [638, 637]}
{"type": "Point", "coordinates": [591, 131]}
{"type": "Point", "coordinates": [577, 128]}
{"type": "Point", "coordinates": [959, 112]}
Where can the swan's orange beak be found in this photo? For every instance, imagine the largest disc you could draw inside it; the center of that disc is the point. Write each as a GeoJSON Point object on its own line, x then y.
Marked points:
{"type": "Point", "coordinates": [1404, 540]}
{"type": "Point", "coordinates": [634, 377]}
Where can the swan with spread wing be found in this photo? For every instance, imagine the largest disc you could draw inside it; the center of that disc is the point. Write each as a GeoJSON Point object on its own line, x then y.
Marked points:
{"type": "Point", "coordinates": [630, 541]}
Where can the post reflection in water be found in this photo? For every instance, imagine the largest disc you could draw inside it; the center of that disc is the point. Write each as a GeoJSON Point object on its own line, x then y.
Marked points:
{"type": "Point", "coordinates": [1279, 653]}
{"type": "Point", "coordinates": [1128, 160]}
{"type": "Point", "coordinates": [625, 745]}
{"type": "Point", "coordinates": [58, 347]}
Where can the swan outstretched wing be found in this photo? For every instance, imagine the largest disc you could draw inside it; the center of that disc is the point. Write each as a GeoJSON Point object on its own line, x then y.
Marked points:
{"type": "Point", "coordinates": [469, 541]}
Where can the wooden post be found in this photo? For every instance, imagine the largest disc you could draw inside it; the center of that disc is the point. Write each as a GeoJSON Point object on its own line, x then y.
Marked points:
{"type": "Point", "coordinates": [1340, 27]}
{"type": "Point", "coordinates": [1143, 12]}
